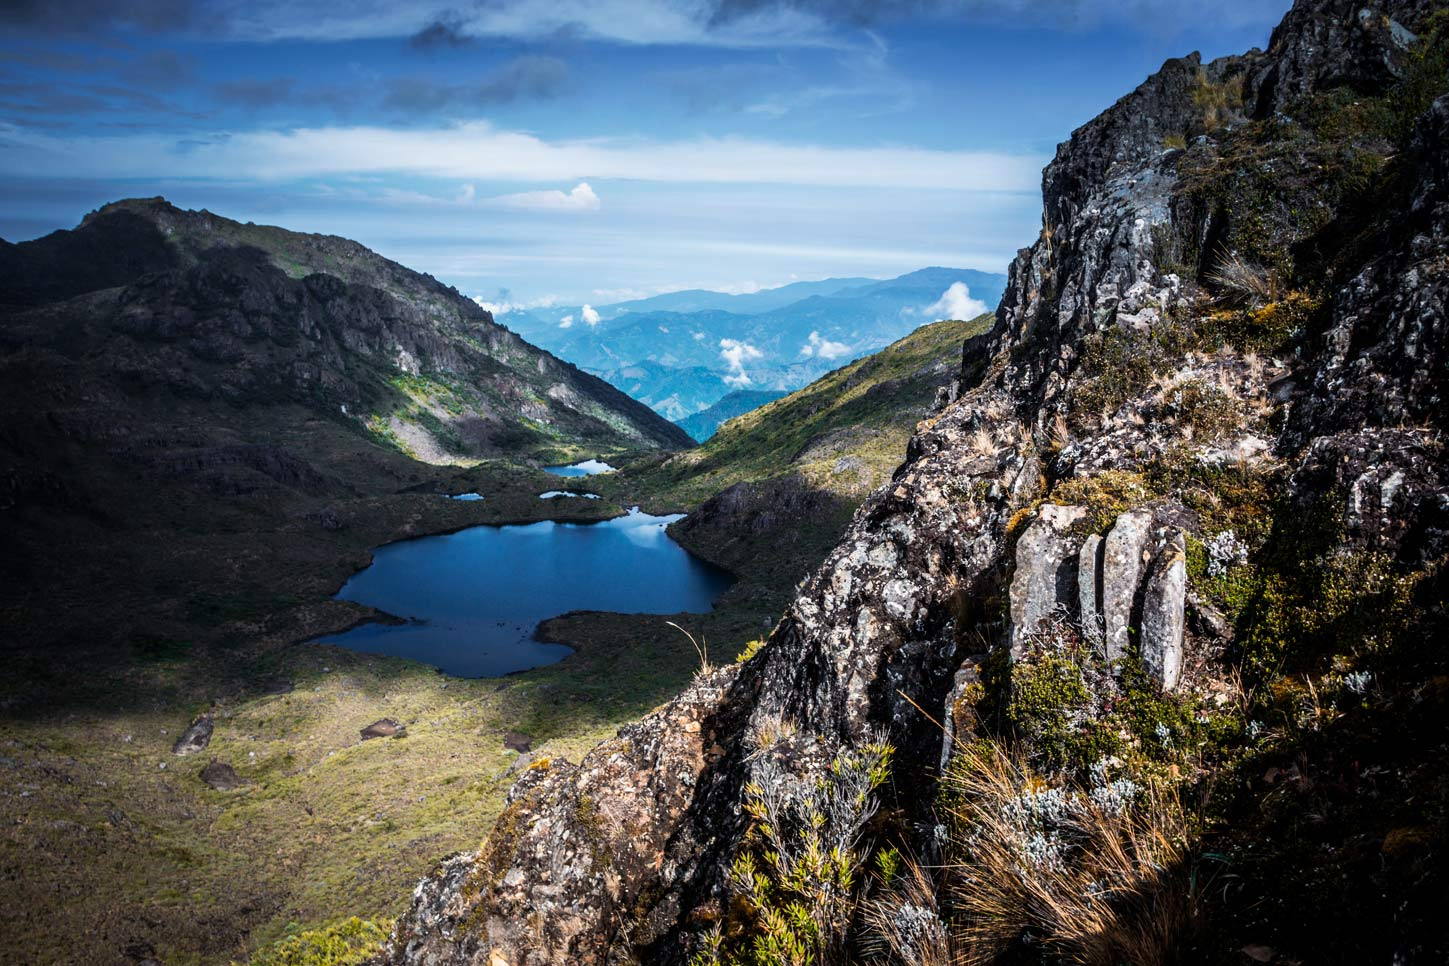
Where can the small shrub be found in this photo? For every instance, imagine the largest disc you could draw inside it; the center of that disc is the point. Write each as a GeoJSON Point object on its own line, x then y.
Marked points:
{"type": "Point", "coordinates": [904, 925]}
{"type": "Point", "coordinates": [1205, 411]}
{"type": "Point", "coordinates": [346, 944]}
{"type": "Point", "coordinates": [797, 884]}
{"type": "Point", "coordinates": [1240, 280]}
{"type": "Point", "coordinates": [751, 649]}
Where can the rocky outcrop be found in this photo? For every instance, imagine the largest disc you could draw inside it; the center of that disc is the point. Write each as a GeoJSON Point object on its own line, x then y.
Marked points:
{"type": "Point", "coordinates": [1125, 594]}
{"type": "Point", "coordinates": [1163, 601]}
{"type": "Point", "coordinates": [1101, 413]}
{"type": "Point", "coordinates": [1124, 557]}
{"type": "Point", "coordinates": [1046, 578]}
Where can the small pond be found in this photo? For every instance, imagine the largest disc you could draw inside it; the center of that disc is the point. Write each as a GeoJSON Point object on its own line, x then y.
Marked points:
{"type": "Point", "coordinates": [586, 468]}
{"type": "Point", "coordinates": [555, 494]}
{"type": "Point", "coordinates": [473, 598]}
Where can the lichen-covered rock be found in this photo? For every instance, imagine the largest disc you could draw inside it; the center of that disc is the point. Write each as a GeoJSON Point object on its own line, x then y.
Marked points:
{"type": "Point", "coordinates": [1089, 589]}
{"type": "Point", "coordinates": [1163, 602]}
{"type": "Point", "coordinates": [196, 736]}
{"type": "Point", "coordinates": [1045, 582]}
{"type": "Point", "coordinates": [1125, 555]}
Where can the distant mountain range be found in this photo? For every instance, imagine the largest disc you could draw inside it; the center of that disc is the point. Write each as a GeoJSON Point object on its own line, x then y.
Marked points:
{"type": "Point", "coordinates": [703, 424]}
{"type": "Point", "coordinates": [682, 352]}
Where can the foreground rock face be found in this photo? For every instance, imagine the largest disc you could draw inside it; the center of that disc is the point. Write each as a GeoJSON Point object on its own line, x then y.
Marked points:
{"type": "Point", "coordinates": [1047, 565]}
{"type": "Point", "coordinates": [623, 857]}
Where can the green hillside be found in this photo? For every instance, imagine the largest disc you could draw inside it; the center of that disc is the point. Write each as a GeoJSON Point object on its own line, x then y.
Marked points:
{"type": "Point", "coordinates": [846, 432]}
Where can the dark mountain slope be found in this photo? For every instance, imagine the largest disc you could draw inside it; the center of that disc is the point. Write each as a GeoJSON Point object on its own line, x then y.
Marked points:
{"type": "Point", "coordinates": [211, 421]}
{"type": "Point", "coordinates": [315, 319]}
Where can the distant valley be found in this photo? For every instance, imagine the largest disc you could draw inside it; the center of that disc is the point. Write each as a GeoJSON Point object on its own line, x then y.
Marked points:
{"type": "Point", "coordinates": [682, 352]}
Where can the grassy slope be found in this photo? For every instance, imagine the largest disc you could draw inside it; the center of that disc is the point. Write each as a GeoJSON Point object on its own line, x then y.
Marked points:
{"type": "Point", "coordinates": [863, 412]}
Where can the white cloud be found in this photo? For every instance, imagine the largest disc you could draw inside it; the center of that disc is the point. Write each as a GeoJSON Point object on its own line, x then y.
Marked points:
{"type": "Point", "coordinates": [567, 322]}
{"type": "Point", "coordinates": [697, 22]}
{"type": "Point", "coordinates": [478, 151]}
{"type": "Point", "coordinates": [955, 303]}
{"type": "Point", "coordinates": [589, 316]}
{"type": "Point", "coordinates": [623, 21]}
{"type": "Point", "coordinates": [822, 348]}
{"type": "Point", "coordinates": [699, 337]}
{"type": "Point", "coordinates": [502, 304]}
{"type": "Point", "coordinates": [735, 354]}
{"type": "Point", "coordinates": [738, 288]}
{"type": "Point", "coordinates": [581, 198]}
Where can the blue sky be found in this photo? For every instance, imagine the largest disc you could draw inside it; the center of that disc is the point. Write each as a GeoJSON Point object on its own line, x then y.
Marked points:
{"type": "Point", "coordinates": [578, 151]}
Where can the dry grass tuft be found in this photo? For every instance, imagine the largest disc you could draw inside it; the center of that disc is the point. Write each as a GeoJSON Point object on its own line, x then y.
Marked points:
{"type": "Point", "coordinates": [1242, 281]}
{"type": "Point", "coordinates": [1092, 876]}
{"type": "Point", "coordinates": [903, 924]}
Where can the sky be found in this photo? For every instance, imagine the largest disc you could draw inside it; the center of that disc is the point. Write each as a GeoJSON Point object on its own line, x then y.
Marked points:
{"type": "Point", "coordinates": [538, 152]}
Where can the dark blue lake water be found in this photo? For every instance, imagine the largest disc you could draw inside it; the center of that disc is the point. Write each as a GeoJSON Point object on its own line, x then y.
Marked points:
{"type": "Point", "coordinates": [586, 468]}
{"type": "Point", "coordinates": [478, 594]}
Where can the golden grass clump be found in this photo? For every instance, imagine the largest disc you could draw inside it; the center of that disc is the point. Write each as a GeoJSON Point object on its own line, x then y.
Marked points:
{"type": "Point", "coordinates": [1096, 876]}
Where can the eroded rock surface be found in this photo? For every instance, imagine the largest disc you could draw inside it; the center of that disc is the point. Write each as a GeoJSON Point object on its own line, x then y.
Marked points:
{"type": "Point", "coordinates": [1045, 582]}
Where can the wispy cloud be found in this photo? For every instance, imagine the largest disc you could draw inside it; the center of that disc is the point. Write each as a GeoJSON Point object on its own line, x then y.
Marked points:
{"type": "Point", "coordinates": [735, 354]}
{"type": "Point", "coordinates": [581, 198]}
{"type": "Point", "coordinates": [255, 92]}
{"type": "Point", "coordinates": [503, 303]}
{"type": "Point", "coordinates": [440, 33]}
{"type": "Point", "coordinates": [822, 348]}
{"type": "Point", "coordinates": [479, 151]}
{"type": "Point", "coordinates": [523, 78]}
{"type": "Point", "coordinates": [735, 23]}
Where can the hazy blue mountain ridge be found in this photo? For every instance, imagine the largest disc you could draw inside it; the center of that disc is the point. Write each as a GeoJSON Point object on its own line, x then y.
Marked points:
{"type": "Point", "coordinates": [681, 352]}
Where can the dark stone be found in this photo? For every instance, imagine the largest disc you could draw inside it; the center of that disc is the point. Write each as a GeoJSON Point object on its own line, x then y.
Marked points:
{"type": "Point", "coordinates": [518, 741]}
{"type": "Point", "coordinates": [195, 738]}
{"type": "Point", "coordinates": [222, 777]}
{"type": "Point", "coordinates": [384, 728]}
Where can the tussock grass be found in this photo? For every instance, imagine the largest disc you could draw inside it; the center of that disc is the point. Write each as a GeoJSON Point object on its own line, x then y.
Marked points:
{"type": "Point", "coordinates": [1093, 876]}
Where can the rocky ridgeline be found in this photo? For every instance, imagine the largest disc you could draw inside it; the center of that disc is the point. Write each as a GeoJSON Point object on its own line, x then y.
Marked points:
{"type": "Point", "coordinates": [1080, 482]}
{"type": "Point", "coordinates": [155, 300]}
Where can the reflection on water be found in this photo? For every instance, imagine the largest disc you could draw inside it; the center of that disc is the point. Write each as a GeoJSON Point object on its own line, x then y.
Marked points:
{"type": "Point", "coordinates": [586, 468]}
{"type": "Point", "coordinates": [474, 597]}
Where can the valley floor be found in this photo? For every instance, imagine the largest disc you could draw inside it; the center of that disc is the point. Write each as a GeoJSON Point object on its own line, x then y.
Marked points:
{"type": "Point", "coordinates": [114, 849]}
